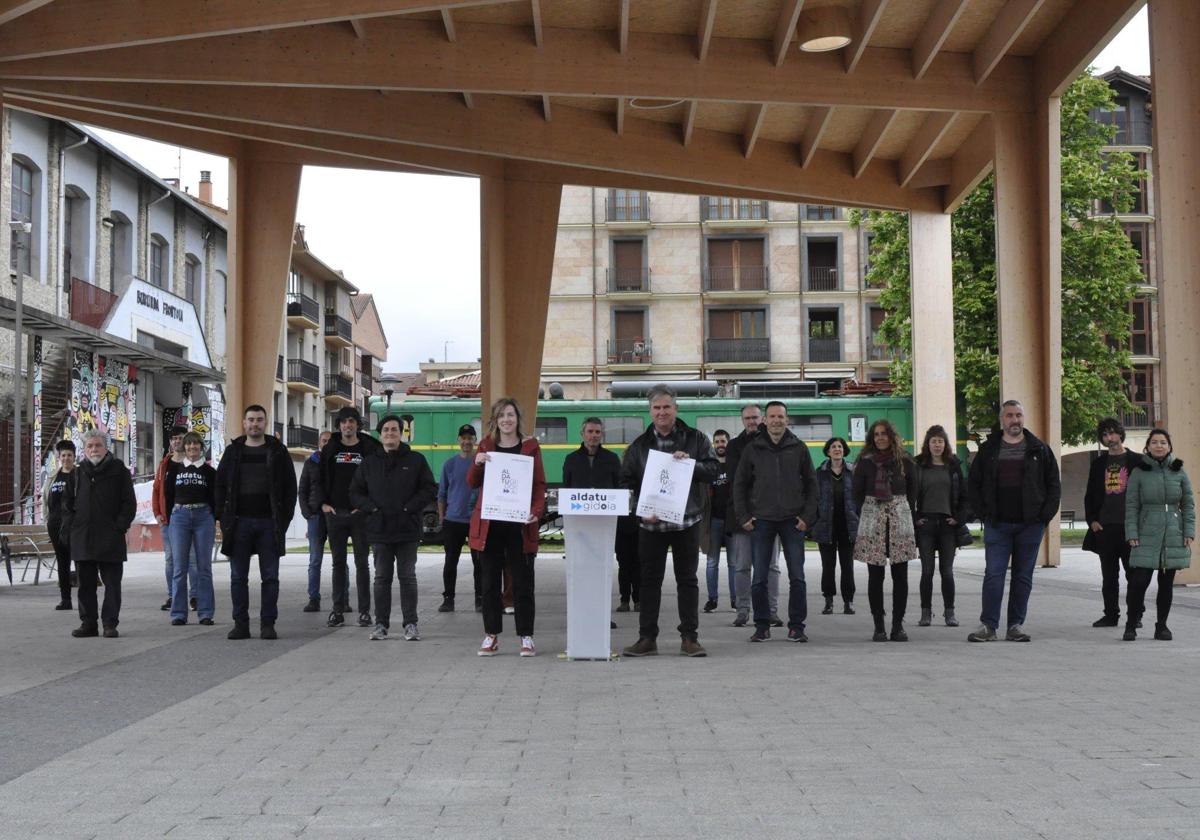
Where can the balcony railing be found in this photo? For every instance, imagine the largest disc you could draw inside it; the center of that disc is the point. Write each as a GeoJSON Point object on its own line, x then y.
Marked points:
{"type": "Point", "coordinates": [824, 350]}
{"type": "Point", "coordinates": [877, 351]}
{"type": "Point", "coordinates": [822, 278]}
{"type": "Point", "coordinates": [364, 380]}
{"type": "Point", "coordinates": [1132, 133]}
{"type": "Point", "coordinates": [737, 278]}
{"type": "Point", "coordinates": [737, 350]}
{"type": "Point", "coordinates": [629, 279]}
{"type": "Point", "coordinates": [303, 437]}
{"type": "Point", "coordinates": [335, 325]}
{"type": "Point", "coordinates": [1143, 416]}
{"type": "Point", "coordinates": [715, 208]}
{"type": "Point", "coordinates": [337, 385]}
{"type": "Point", "coordinates": [630, 351]}
{"type": "Point", "coordinates": [627, 207]}
{"type": "Point", "coordinates": [304, 372]}
{"type": "Point", "coordinates": [300, 305]}
{"type": "Point", "coordinates": [279, 369]}
{"type": "Point", "coordinates": [90, 304]}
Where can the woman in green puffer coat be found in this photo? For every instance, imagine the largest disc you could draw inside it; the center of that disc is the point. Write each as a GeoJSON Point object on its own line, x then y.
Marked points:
{"type": "Point", "coordinates": [1160, 524]}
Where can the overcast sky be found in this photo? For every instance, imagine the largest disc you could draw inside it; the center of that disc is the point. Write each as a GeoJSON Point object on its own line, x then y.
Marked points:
{"type": "Point", "coordinates": [413, 240]}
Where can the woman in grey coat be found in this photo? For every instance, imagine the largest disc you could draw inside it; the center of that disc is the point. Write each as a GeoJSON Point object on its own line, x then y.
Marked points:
{"type": "Point", "coordinates": [836, 527]}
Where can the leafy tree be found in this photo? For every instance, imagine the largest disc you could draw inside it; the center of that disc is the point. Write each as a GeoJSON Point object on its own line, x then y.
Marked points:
{"type": "Point", "coordinates": [1099, 276]}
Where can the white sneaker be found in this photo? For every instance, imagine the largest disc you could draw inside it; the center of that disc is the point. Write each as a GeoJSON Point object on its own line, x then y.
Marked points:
{"type": "Point", "coordinates": [509, 610]}
{"type": "Point", "coordinates": [379, 633]}
{"type": "Point", "coordinates": [527, 648]}
{"type": "Point", "coordinates": [411, 633]}
{"type": "Point", "coordinates": [490, 646]}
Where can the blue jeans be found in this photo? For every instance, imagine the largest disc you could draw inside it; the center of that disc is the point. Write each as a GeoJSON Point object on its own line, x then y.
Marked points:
{"type": "Point", "coordinates": [1002, 540]}
{"type": "Point", "coordinates": [191, 532]}
{"type": "Point", "coordinates": [169, 565]}
{"type": "Point", "coordinates": [763, 546]}
{"type": "Point", "coordinates": [254, 536]}
{"type": "Point", "coordinates": [316, 553]}
{"type": "Point", "coordinates": [716, 539]}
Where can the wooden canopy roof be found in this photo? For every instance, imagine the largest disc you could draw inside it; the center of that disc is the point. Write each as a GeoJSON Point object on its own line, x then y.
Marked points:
{"type": "Point", "coordinates": [700, 96]}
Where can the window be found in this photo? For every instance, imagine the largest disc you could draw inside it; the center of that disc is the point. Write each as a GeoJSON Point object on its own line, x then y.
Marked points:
{"type": "Point", "coordinates": [628, 206]}
{"type": "Point", "coordinates": [737, 335]}
{"type": "Point", "coordinates": [191, 279]}
{"type": "Point", "coordinates": [1118, 117]}
{"type": "Point", "coordinates": [731, 423]}
{"type": "Point", "coordinates": [868, 256]}
{"type": "Point", "coordinates": [159, 274]}
{"type": "Point", "coordinates": [146, 462]}
{"type": "Point", "coordinates": [736, 264]}
{"type": "Point", "coordinates": [820, 212]}
{"type": "Point", "coordinates": [620, 430]}
{"type": "Point", "coordinates": [1140, 382]}
{"type": "Point", "coordinates": [551, 430]}
{"type": "Point", "coordinates": [1139, 238]}
{"type": "Point", "coordinates": [21, 256]}
{"type": "Point", "coordinates": [822, 258]}
{"type": "Point", "coordinates": [161, 344]}
{"type": "Point", "coordinates": [877, 351]}
{"type": "Point", "coordinates": [629, 344]}
{"type": "Point", "coordinates": [120, 250]}
{"type": "Point", "coordinates": [1140, 205]}
{"type": "Point", "coordinates": [295, 285]}
{"type": "Point", "coordinates": [1139, 328]}
{"type": "Point", "coordinates": [818, 427]}
{"type": "Point", "coordinates": [628, 272]}
{"type": "Point", "coordinates": [824, 335]}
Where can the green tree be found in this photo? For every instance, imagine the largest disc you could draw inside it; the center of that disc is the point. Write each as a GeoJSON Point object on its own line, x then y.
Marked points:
{"type": "Point", "coordinates": [1099, 276]}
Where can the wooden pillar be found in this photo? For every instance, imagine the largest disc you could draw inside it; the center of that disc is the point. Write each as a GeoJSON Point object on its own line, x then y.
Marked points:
{"type": "Point", "coordinates": [932, 307]}
{"type": "Point", "coordinates": [1029, 275]}
{"type": "Point", "coordinates": [262, 216]}
{"type": "Point", "coordinates": [518, 228]}
{"type": "Point", "coordinates": [1176, 78]}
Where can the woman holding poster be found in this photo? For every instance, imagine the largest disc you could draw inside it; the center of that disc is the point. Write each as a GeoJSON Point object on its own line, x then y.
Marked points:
{"type": "Point", "coordinates": [515, 482]}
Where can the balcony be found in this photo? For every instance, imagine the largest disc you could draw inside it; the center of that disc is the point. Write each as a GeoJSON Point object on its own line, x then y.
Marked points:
{"type": "Point", "coordinates": [737, 278]}
{"type": "Point", "coordinates": [824, 350]}
{"type": "Point", "coordinates": [303, 312]}
{"type": "Point", "coordinates": [623, 280]}
{"type": "Point", "coordinates": [279, 369]}
{"type": "Point", "coordinates": [365, 380]}
{"type": "Point", "coordinates": [737, 351]}
{"type": "Point", "coordinates": [303, 376]}
{"type": "Point", "coordinates": [1142, 416]}
{"type": "Point", "coordinates": [717, 209]}
{"type": "Point", "coordinates": [623, 207]}
{"type": "Point", "coordinates": [339, 389]}
{"type": "Point", "coordinates": [303, 437]}
{"type": "Point", "coordinates": [822, 278]}
{"type": "Point", "coordinates": [877, 351]}
{"type": "Point", "coordinates": [337, 330]}
{"type": "Point", "coordinates": [630, 351]}
{"type": "Point", "coordinates": [89, 304]}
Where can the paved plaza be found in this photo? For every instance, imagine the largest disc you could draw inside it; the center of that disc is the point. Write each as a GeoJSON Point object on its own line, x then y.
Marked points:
{"type": "Point", "coordinates": [177, 732]}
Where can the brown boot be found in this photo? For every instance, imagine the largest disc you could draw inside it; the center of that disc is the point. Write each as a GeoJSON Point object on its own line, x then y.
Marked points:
{"type": "Point", "coordinates": [643, 647]}
{"type": "Point", "coordinates": [691, 647]}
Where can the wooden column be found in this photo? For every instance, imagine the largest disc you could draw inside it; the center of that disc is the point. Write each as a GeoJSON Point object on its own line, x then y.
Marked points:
{"type": "Point", "coordinates": [518, 228]}
{"type": "Point", "coordinates": [262, 216]}
{"type": "Point", "coordinates": [1176, 77]}
{"type": "Point", "coordinates": [932, 302]}
{"type": "Point", "coordinates": [1029, 275]}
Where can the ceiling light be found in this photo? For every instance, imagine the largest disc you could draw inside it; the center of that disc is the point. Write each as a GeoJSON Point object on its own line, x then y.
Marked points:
{"type": "Point", "coordinates": [825, 29]}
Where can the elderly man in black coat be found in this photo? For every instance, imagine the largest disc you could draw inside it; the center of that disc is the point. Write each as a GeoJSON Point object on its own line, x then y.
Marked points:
{"type": "Point", "coordinates": [98, 508]}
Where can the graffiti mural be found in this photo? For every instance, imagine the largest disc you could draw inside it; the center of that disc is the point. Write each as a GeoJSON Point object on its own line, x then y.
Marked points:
{"type": "Point", "coordinates": [102, 398]}
{"type": "Point", "coordinates": [39, 475]}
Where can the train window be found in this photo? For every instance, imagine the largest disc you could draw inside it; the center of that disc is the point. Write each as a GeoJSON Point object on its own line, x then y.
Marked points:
{"type": "Point", "coordinates": [811, 426]}
{"type": "Point", "coordinates": [551, 430]}
{"type": "Point", "coordinates": [731, 423]}
{"type": "Point", "coordinates": [621, 430]}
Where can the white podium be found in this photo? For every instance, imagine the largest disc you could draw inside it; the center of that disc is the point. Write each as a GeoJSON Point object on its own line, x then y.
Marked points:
{"type": "Point", "coordinates": [590, 524]}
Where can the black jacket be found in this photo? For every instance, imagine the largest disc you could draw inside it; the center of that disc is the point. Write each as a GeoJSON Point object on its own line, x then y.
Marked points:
{"type": "Point", "coordinates": [959, 511]}
{"type": "Point", "coordinates": [281, 488]}
{"type": "Point", "coordinates": [310, 474]}
{"type": "Point", "coordinates": [733, 453]}
{"type": "Point", "coordinates": [323, 489]}
{"type": "Point", "coordinates": [775, 481]}
{"type": "Point", "coordinates": [1041, 490]}
{"type": "Point", "coordinates": [98, 508]}
{"type": "Point", "coordinates": [692, 441]}
{"type": "Point", "coordinates": [393, 489]}
{"type": "Point", "coordinates": [1093, 496]}
{"type": "Point", "coordinates": [169, 486]}
{"type": "Point", "coordinates": [863, 479]}
{"type": "Point", "coordinates": [601, 473]}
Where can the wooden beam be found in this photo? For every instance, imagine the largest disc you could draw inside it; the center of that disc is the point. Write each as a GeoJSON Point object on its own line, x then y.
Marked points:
{"type": "Point", "coordinates": [468, 99]}
{"type": "Point", "coordinates": [620, 115]}
{"type": "Point", "coordinates": [1076, 41]}
{"type": "Point", "coordinates": [1004, 31]}
{"type": "Point", "coordinates": [708, 21]}
{"type": "Point", "coordinates": [448, 25]}
{"type": "Point", "coordinates": [504, 128]}
{"type": "Point", "coordinates": [753, 126]}
{"type": "Point", "coordinates": [72, 26]}
{"type": "Point", "coordinates": [817, 124]}
{"type": "Point", "coordinates": [407, 55]}
{"type": "Point", "coordinates": [785, 29]}
{"type": "Point", "coordinates": [922, 145]}
{"type": "Point", "coordinates": [535, 9]}
{"type": "Point", "coordinates": [623, 27]}
{"type": "Point", "coordinates": [359, 27]}
{"type": "Point", "coordinates": [934, 33]}
{"type": "Point", "coordinates": [13, 9]}
{"type": "Point", "coordinates": [934, 173]}
{"type": "Point", "coordinates": [689, 121]}
{"type": "Point", "coordinates": [869, 16]}
{"type": "Point", "coordinates": [546, 108]}
{"type": "Point", "coordinates": [872, 136]}
{"type": "Point", "coordinates": [970, 164]}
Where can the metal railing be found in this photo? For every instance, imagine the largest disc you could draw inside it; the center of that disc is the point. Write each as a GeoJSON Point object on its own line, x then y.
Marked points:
{"type": "Point", "coordinates": [337, 385]}
{"type": "Point", "coordinates": [628, 279]}
{"type": "Point", "coordinates": [630, 351]}
{"type": "Point", "coordinates": [737, 350]}
{"type": "Point", "coordinates": [716, 208]}
{"type": "Point", "coordinates": [365, 380]}
{"type": "Point", "coordinates": [1132, 133]}
{"type": "Point", "coordinates": [301, 305]}
{"type": "Point", "coordinates": [622, 206]}
{"type": "Point", "coordinates": [89, 304]}
{"type": "Point", "coordinates": [877, 351]}
{"type": "Point", "coordinates": [336, 325]}
{"type": "Point", "coordinates": [1142, 416]}
{"type": "Point", "coordinates": [824, 350]}
{"type": "Point", "coordinates": [299, 370]}
{"type": "Point", "coordinates": [820, 212]}
{"type": "Point", "coordinates": [303, 437]}
{"type": "Point", "coordinates": [822, 278]}
{"type": "Point", "coordinates": [279, 369]}
{"type": "Point", "coordinates": [737, 278]}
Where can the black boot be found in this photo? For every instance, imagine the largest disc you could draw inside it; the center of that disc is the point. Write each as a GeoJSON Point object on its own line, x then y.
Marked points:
{"type": "Point", "coordinates": [1161, 632]}
{"type": "Point", "coordinates": [880, 633]}
{"type": "Point", "coordinates": [241, 630]}
{"type": "Point", "coordinates": [828, 605]}
{"type": "Point", "coordinates": [1130, 631]}
{"type": "Point", "coordinates": [898, 634]}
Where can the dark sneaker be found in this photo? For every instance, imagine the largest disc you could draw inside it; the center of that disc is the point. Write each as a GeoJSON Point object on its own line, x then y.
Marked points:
{"type": "Point", "coordinates": [166, 605]}
{"type": "Point", "coordinates": [951, 621]}
{"type": "Point", "coordinates": [1016, 634]}
{"type": "Point", "coordinates": [848, 609]}
{"type": "Point", "coordinates": [335, 620]}
{"type": "Point", "coordinates": [207, 622]}
{"type": "Point", "coordinates": [623, 607]}
{"type": "Point", "coordinates": [692, 647]}
{"type": "Point", "coordinates": [898, 633]}
{"type": "Point", "coordinates": [177, 622]}
{"type": "Point", "coordinates": [313, 605]}
{"type": "Point", "coordinates": [379, 634]}
{"type": "Point", "coordinates": [1163, 633]}
{"type": "Point", "coordinates": [193, 603]}
{"type": "Point", "coordinates": [775, 620]}
{"type": "Point", "coordinates": [982, 634]}
{"type": "Point", "coordinates": [1130, 633]}
{"type": "Point", "coordinates": [110, 633]}
{"type": "Point", "coordinates": [926, 618]}
{"type": "Point", "coordinates": [741, 619]}
{"type": "Point", "coordinates": [85, 631]}
{"type": "Point", "coordinates": [828, 608]}
{"type": "Point", "coordinates": [239, 631]}
{"type": "Point", "coordinates": [642, 647]}
{"type": "Point", "coordinates": [64, 604]}
{"type": "Point", "coordinates": [1106, 621]}
{"type": "Point", "coordinates": [364, 619]}
{"type": "Point", "coordinates": [795, 635]}
{"type": "Point", "coordinates": [268, 632]}
{"type": "Point", "coordinates": [879, 636]}
{"type": "Point", "coordinates": [447, 605]}
{"type": "Point", "coordinates": [761, 634]}
{"type": "Point", "coordinates": [710, 605]}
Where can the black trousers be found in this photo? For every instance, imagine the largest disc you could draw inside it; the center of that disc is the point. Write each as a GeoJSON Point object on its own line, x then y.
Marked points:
{"type": "Point", "coordinates": [454, 536]}
{"type": "Point", "coordinates": [352, 528]}
{"type": "Point", "coordinates": [1138, 581]}
{"type": "Point", "coordinates": [1114, 551]}
{"type": "Point", "coordinates": [401, 558]}
{"type": "Point", "coordinates": [685, 557]}
{"type": "Point", "coordinates": [629, 567]}
{"type": "Point", "coordinates": [90, 574]}
{"type": "Point", "coordinates": [503, 551]}
{"type": "Point", "coordinates": [875, 575]}
{"type": "Point", "coordinates": [841, 550]}
{"type": "Point", "coordinates": [936, 536]}
{"type": "Point", "coordinates": [62, 560]}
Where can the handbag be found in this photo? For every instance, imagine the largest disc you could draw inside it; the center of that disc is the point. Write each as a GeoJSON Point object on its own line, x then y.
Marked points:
{"type": "Point", "coordinates": [963, 536]}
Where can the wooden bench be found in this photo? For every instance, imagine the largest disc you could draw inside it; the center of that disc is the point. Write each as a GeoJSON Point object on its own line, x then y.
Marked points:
{"type": "Point", "coordinates": [1068, 518]}
{"type": "Point", "coordinates": [31, 542]}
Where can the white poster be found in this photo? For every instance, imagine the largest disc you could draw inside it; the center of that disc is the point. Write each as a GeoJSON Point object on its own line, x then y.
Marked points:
{"type": "Point", "coordinates": [507, 487]}
{"type": "Point", "coordinates": [665, 487]}
{"type": "Point", "coordinates": [143, 491]}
